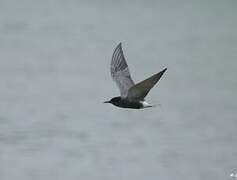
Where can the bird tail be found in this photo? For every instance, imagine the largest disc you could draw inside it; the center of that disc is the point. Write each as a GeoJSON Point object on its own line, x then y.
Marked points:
{"type": "Point", "coordinates": [147, 105]}
{"type": "Point", "coordinates": [155, 105]}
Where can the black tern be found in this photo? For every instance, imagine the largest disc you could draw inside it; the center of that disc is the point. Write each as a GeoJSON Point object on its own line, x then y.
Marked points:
{"type": "Point", "coordinates": [132, 95]}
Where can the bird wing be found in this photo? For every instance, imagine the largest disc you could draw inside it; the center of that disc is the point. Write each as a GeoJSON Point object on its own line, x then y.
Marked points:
{"type": "Point", "coordinates": [120, 72]}
{"type": "Point", "coordinates": [140, 90]}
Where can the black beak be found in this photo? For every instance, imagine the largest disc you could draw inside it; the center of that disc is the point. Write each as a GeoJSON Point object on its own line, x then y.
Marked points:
{"type": "Point", "coordinates": [107, 102]}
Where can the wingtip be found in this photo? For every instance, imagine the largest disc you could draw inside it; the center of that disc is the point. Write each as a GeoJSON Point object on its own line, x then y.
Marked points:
{"type": "Point", "coordinates": [164, 70]}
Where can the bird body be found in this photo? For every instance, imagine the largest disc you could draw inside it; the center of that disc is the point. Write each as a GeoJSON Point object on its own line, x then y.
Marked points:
{"type": "Point", "coordinates": [132, 95]}
{"type": "Point", "coordinates": [125, 103]}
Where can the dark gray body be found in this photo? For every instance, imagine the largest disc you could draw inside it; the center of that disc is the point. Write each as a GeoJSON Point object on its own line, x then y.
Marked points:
{"type": "Point", "coordinates": [125, 103]}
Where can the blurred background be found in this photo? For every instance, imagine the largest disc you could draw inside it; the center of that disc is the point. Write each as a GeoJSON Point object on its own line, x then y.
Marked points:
{"type": "Point", "coordinates": [54, 75]}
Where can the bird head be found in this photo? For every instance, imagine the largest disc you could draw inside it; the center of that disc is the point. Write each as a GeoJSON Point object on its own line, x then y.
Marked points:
{"type": "Point", "coordinates": [114, 100]}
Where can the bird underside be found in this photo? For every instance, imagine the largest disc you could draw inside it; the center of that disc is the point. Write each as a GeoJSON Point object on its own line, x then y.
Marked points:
{"type": "Point", "coordinates": [125, 103]}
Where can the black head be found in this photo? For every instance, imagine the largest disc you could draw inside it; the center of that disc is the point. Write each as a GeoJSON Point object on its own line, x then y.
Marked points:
{"type": "Point", "coordinates": [115, 101]}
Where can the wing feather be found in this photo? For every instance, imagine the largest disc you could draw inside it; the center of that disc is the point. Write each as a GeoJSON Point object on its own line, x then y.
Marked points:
{"type": "Point", "coordinates": [140, 90]}
{"type": "Point", "coordinates": [120, 71]}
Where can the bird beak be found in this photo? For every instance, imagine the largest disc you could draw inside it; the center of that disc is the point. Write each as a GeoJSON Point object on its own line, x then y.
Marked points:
{"type": "Point", "coordinates": [107, 102]}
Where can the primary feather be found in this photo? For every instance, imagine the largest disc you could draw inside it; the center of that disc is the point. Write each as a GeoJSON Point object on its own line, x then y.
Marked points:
{"type": "Point", "coordinates": [120, 71]}
{"type": "Point", "coordinates": [140, 90]}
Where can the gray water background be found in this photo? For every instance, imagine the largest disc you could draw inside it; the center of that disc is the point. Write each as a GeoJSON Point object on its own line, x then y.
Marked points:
{"type": "Point", "coordinates": [54, 76]}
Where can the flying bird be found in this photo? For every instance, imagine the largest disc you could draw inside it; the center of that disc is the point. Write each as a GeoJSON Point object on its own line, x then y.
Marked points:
{"type": "Point", "coordinates": [132, 95]}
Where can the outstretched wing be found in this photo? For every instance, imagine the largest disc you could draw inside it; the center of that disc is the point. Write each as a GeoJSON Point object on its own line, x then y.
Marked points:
{"type": "Point", "coordinates": [120, 72]}
{"type": "Point", "coordinates": [140, 90]}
